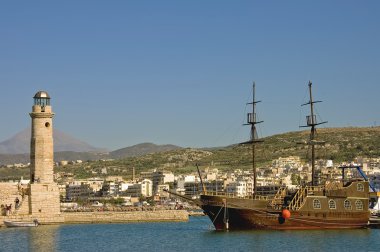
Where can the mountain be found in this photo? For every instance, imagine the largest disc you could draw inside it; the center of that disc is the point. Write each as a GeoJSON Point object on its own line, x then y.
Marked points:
{"type": "Point", "coordinates": [17, 149]}
{"type": "Point", "coordinates": [20, 143]}
{"type": "Point", "coordinates": [6, 159]}
{"type": "Point", "coordinates": [142, 149]}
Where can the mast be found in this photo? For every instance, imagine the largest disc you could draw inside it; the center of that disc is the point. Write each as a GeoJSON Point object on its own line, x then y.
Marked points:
{"type": "Point", "coordinates": [200, 177]}
{"type": "Point", "coordinates": [251, 120]}
{"type": "Point", "coordinates": [312, 123]}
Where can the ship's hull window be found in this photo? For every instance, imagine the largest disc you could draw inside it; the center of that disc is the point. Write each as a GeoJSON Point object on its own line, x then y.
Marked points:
{"type": "Point", "coordinates": [347, 205]}
{"type": "Point", "coordinates": [332, 204]}
{"type": "Point", "coordinates": [316, 204]}
{"type": "Point", "coordinates": [359, 205]}
{"type": "Point", "coordinates": [360, 187]}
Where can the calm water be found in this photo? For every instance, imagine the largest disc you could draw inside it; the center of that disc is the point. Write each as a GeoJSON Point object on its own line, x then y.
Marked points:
{"type": "Point", "coordinates": [195, 235]}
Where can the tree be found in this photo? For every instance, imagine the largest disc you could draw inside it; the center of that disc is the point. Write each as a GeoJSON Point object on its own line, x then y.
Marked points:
{"type": "Point", "coordinates": [296, 179]}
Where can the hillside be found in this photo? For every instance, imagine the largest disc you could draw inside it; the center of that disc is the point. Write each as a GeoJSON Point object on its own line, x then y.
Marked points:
{"type": "Point", "coordinates": [141, 149]}
{"type": "Point", "coordinates": [342, 144]}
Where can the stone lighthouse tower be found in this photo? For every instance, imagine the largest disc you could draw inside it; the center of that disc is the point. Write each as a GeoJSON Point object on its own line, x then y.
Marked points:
{"type": "Point", "coordinates": [41, 145]}
{"type": "Point", "coordinates": [44, 192]}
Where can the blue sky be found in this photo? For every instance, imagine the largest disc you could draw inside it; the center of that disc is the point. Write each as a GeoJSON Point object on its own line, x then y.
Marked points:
{"type": "Point", "coordinates": [180, 72]}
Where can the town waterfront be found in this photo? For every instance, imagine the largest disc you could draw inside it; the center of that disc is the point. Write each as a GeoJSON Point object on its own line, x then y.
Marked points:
{"type": "Point", "coordinates": [195, 235]}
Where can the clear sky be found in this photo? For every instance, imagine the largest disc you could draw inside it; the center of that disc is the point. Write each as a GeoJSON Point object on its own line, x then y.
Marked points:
{"type": "Point", "coordinates": [180, 72]}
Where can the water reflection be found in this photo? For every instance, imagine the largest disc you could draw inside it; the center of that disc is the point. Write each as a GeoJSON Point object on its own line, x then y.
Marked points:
{"type": "Point", "coordinates": [43, 238]}
{"type": "Point", "coordinates": [298, 240]}
{"type": "Point", "coordinates": [194, 235]}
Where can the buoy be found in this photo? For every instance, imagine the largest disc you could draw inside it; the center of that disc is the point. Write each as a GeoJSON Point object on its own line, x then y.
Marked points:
{"type": "Point", "coordinates": [286, 214]}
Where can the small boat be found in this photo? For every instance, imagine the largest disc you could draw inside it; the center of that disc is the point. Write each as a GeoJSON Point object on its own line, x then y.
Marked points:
{"type": "Point", "coordinates": [9, 223]}
{"type": "Point", "coordinates": [374, 221]}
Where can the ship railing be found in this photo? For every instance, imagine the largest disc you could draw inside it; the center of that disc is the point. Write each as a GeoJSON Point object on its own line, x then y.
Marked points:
{"type": "Point", "coordinates": [334, 185]}
{"type": "Point", "coordinates": [315, 190]}
{"type": "Point", "coordinates": [234, 195]}
{"type": "Point", "coordinates": [215, 193]}
{"type": "Point", "coordinates": [261, 197]}
{"type": "Point", "coordinates": [298, 198]}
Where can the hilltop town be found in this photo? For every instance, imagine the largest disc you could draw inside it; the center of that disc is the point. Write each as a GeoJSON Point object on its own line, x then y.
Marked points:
{"type": "Point", "coordinates": [131, 180]}
{"type": "Point", "coordinates": [125, 183]}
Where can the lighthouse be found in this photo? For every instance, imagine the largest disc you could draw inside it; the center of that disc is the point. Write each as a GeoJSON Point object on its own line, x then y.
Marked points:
{"type": "Point", "coordinates": [44, 192]}
{"type": "Point", "coordinates": [41, 144]}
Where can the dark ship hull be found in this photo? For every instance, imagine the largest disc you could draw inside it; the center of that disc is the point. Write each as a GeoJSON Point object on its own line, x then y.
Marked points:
{"type": "Point", "coordinates": [244, 219]}
{"type": "Point", "coordinates": [229, 213]}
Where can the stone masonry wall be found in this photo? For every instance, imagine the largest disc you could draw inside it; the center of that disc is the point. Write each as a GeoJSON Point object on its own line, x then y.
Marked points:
{"type": "Point", "coordinates": [8, 193]}
{"type": "Point", "coordinates": [103, 217]}
{"type": "Point", "coordinates": [122, 217]}
{"type": "Point", "coordinates": [44, 199]}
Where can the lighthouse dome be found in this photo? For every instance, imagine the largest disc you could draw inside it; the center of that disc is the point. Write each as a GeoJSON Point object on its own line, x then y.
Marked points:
{"type": "Point", "coordinates": [42, 99]}
{"type": "Point", "coordinates": [42, 94]}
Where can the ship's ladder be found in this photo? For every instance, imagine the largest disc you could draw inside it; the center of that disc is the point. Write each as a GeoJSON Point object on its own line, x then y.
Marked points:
{"type": "Point", "coordinates": [278, 199]}
{"type": "Point", "coordinates": [298, 199]}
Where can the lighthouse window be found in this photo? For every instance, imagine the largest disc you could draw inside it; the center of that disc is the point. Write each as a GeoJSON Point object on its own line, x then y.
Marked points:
{"type": "Point", "coordinates": [332, 204]}
{"type": "Point", "coordinates": [360, 187]}
{"type": "Point", "coordinates": [42, 101]}
{"type": "Point", "coordinates": [359, 205]}
{"type": "Point", "coordinates": [317, 204]}
{"type": "Point", "coordinates": [347, 205]}
{"type": "Point", "coordinates": [47, 125]}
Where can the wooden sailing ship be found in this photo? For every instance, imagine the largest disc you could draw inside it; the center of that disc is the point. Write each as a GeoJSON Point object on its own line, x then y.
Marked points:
{"type": "Point", "coordinates": [337, 205]}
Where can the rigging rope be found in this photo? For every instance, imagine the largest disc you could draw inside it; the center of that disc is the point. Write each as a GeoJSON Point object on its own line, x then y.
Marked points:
{"type": "Point", "coordinates": [217, 215]}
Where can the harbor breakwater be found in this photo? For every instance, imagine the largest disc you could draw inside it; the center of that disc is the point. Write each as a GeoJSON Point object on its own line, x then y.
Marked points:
{"type": "Point", "coordinates": [106, 217]}
{"type": "Point", "coordinates": [122, 217]}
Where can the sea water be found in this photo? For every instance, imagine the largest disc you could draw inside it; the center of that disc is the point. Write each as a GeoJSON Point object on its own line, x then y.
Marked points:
{"type": "Point", "coordinates": [195, 235]}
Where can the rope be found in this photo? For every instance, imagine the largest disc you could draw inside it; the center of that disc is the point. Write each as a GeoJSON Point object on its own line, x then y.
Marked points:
{"type": "Point", "coordinates": [217, 215]}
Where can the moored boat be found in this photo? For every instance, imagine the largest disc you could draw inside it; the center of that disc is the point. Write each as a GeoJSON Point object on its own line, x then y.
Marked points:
{"type": "Point", "coordinates": [10, 223]}
{"type": "Point", "coordinates": [374, 222]}
{"type": "Point", "coordinates": [336, 205]}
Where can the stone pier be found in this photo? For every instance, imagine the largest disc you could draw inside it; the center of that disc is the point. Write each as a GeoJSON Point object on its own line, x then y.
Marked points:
{"type": "Point", "coordinates": [103, 217]}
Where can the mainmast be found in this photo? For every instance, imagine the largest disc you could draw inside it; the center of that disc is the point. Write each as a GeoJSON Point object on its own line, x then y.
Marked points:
{"type": "Point", "coordinates": [252, 120]}
{"type": "Point", "coordinates": [312, 122]}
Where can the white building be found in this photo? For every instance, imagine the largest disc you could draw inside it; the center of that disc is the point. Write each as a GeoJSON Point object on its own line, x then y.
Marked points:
{"type": "Point", "coordinates": [168, 177]}
{"type": "Point", "coordinates": [143, 188]}
{"type": "Point", "coordinates": [124, 186]}
{"type": "Point", "coordinates": [147, 188]}
{"type": "Point", "coordinates": [241, 187]}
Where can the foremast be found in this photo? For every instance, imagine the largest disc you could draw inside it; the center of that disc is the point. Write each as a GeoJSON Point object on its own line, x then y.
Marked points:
{"type": "Point", "coordinates": [311, 121]}
{"type": "Point", "coordinates": [252, 120]}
